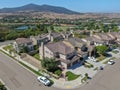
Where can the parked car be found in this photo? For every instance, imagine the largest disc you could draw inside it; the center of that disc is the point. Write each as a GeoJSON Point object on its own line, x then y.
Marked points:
{"type": "Point", "coordinates": [43, 80]}
{"type": "Point", "coordinates": [111, 62]}
{"type": "Point", "coordinates": [92, 59]}
{"type": "Point", "coordinates": [101, 68]}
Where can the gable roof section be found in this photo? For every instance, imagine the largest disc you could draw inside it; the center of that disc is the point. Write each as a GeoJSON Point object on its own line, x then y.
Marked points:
{"type": "Point", "coordinates": [60, 47]}
{"type": "Point", "coordinates": [23, 40]}
{"type": "Point", "coordinates": [76, 42]}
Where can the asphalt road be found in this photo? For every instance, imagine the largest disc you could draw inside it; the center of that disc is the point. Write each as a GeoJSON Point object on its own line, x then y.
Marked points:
{"type": "Point", "coordinates": [18, 78]}
{"type": "Point", "coordinates": [108, 79]}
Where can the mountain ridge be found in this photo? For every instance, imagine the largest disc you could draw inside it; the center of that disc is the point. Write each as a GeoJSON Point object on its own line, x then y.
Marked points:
{"type": "Point", "coordinates": [39, 8]}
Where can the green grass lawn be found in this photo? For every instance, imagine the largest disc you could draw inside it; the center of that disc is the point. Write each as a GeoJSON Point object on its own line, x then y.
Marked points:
{"type": "Point", "coordinates": [113, 58]}
{"type": "Point", "coordinates": [9, 47]}
{"type": "Point", "coordinates": [60, 28]}
{"type": "Point", "coordinates": [37, 56]}
{"type": "Point", "coordinates": [96, 68]}
{"type": "Point", "coordinates": [71, 76]}
{"type": "Point", "coordinates": [100, 58]}
{"type": "Point", "coordinates": [88, 65]}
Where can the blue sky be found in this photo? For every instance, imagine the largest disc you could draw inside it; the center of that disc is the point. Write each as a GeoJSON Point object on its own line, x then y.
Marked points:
{"type": "Point", "coordinates": [76, 5]}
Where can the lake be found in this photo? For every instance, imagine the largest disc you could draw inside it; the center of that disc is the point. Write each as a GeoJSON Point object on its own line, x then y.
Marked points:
{"type": "Point", "coordinates": [25, 27]}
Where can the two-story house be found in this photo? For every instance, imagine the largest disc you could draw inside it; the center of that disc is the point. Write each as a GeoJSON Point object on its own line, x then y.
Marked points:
{"type": "Point", "coordinates": [20, 43]}
{"type": "Point", "coordinates": [61, 51]}
{"type": "Point", "coordinates": [55, 36]}
{"type": "Point", "coordinates": [40, 38]}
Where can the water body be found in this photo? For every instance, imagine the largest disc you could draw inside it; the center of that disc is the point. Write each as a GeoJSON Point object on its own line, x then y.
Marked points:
{"type": "Point", "coordinates": [25, 27]}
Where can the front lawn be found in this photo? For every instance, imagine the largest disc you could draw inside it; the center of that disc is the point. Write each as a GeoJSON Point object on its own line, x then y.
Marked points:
{"type": "Point", "coordinates": [88, 65]}
{"type": "Point", "coordinates": [71, 76]}
{"type": "Point", "coordinates": [100, 58]}
{"type": "Point", "coordinates": [9, 47]}
{"type": "Point", "coordinates": [37, 56]}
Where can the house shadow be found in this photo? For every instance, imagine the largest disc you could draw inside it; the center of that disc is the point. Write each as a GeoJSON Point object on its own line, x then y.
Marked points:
{"type": "Point", "coordinates": [108, 55]}
{"type": "Point", "coordinates": [75, 66]}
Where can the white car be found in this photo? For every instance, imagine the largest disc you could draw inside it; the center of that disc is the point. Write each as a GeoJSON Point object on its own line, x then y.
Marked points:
{"type": "Point", "coordinates": [92, 59]}
{"type": "Point", "coordinates": [43, 80]}
{"type": "Point", "coordinates": [111, 62]}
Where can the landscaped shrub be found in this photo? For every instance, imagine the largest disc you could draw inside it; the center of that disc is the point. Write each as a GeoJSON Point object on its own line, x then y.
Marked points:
{"type": "Point", "coordinates": [51, 74]}
{"type": "Point", "coordinates": [88, 65]}
{"type": "Point", "coordinates": [58, 72]}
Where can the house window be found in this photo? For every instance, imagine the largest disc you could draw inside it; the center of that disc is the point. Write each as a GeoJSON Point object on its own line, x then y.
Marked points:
{"type": "Point", "coordinates": [47, 52]}
{"type": "Point", "coordinates": [84, 48]}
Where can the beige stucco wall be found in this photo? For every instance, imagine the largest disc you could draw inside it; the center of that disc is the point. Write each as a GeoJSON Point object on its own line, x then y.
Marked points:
{"type": "Point", "coordinates": [34, 41]}
{"type": "Point", "coordinates": [48, 53]}
{"type": "Point", "coordinates": [62, 56]}
{"type": "Point", "coordinates": [64, 65]}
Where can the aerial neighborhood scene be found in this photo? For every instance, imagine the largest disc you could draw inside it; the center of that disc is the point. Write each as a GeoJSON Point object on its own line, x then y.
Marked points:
{"type": "Point", "coordinates": [59, 45]}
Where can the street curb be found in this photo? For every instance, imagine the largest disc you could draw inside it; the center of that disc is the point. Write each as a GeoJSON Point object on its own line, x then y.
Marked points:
{"type": "Point", "coordinates": [4, 84]}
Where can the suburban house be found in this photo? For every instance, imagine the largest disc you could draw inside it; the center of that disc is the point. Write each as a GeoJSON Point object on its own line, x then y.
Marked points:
{"type": "Point", "coordinates": [80, 47]}
{"type": "Point", "coordinates": [55, 36]}
{"type": "Point", "coordinates": [104, 37]}
{"type": "Point", "coordinates": [45, 38]}
{"type": "Point", "coordinates": [40, 38]}
{"type": "Point", "coordinates": [68, 52]}
{"type": "Point", "coordinates": [61, 51]}
{"type": "Point", "coordinates": [116, 35]}
{"type": "Point", "coordinates": [20, 43]}
{"type": "Point", "coordinates": [93, 40]}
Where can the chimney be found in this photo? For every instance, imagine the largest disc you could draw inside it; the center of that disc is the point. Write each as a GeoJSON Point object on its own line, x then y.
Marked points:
{"type": "Point", "coordinates": [91, 33]}
{"type": "Point", "coordinates": [109, 31]}
{"type": "Point", "coordinates": [49, 34]}
{"type": "Point", "coordinates": [67, 36]}
{"type": "Point", "coordinates": [71, 31]}
{"type": "Point", "coordinates": [41, 51]}
{"type": "Point", "coordinates": [88, 43]}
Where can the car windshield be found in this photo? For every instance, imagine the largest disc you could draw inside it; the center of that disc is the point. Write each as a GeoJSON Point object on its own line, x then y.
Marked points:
{"type": "Point", "coordinates": [45, 80]}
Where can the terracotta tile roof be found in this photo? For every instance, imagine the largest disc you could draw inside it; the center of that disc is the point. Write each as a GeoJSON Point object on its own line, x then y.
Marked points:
{"type": "Point", "coordinates": [115, 34]}
{"type": "Point", "coordinates": [76, 42]}
{"type": "Point", "coordinates": [55, 35]}
{"type": "Point", "coordinates": [92, 39]}
{"type": "Point", "coordinates": [23, 40]}
{"type": "Point", "coordinates": [60, 47]}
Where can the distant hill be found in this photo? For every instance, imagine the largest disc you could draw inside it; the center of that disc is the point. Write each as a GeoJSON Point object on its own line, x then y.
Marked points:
{"type": "Point", "coordinates": [38, 8]}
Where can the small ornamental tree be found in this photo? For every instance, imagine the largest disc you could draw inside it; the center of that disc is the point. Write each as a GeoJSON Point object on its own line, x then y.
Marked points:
{"type": "Point", "coordinates": [101, 49]}
{"type": "Point", "coordinates": [49, 64]}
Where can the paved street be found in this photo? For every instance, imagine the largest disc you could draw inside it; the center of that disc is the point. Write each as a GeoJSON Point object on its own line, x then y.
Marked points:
{"type": "Point", "coordinates": [108, 79]}
{"type": "Point", "coordinates": [18, 78]}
